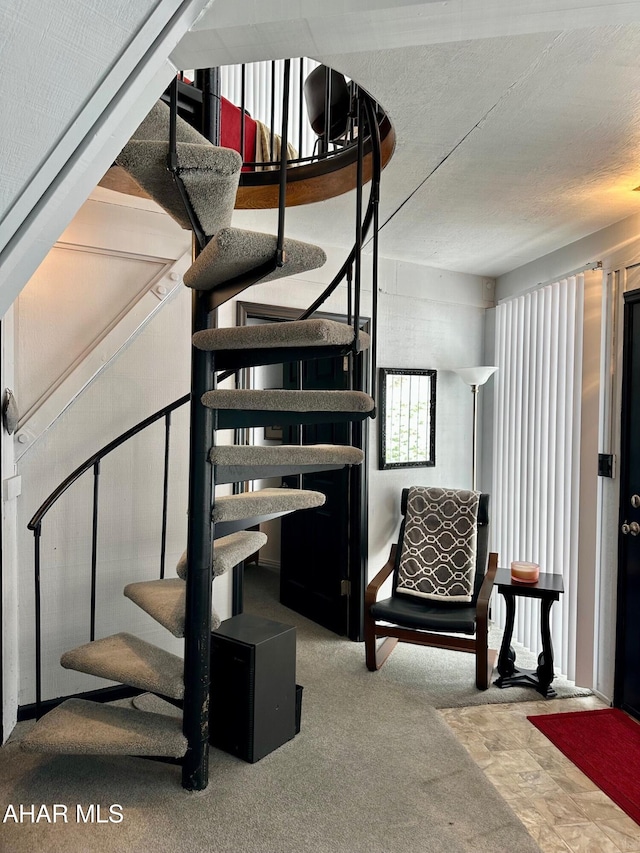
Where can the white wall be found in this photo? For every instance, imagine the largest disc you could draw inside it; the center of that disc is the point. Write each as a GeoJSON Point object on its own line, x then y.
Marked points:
{"type": "Point", "coordinates": [107, 275]}
{"type": "Point", "coordinates": [152, 372]}
{"type": "Point", "coordinates": [86, 306]}
{"type": "Point", "coordinates": [64, 85]}
{"type": "Point", "coordinates": [78, 78]}
{"type": "Point", "coordinates": [9, 569]}
{"type": "Point", "coordinates": [430, 319]}
{"type": "Point", "coordinates": [615, 247]}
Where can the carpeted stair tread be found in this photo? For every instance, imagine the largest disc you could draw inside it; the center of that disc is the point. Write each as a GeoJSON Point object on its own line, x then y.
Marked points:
{"type": "Point", "coordinates": [229, 551]}
{"type": "Point", "coordinates": [79, 727]}
{"type": "Point", "coordinates": [284, 454]}
{"type": "Point", "coordinates": [264, 502]}
{"type": "Point", "coordinates": [129, 660]}
{"type": "Point", "coordinates": [164, 601]}
{"type": "Point", "coordinates": [235, 464]}
{"type": "Point", "coordinates": [294, 333]}
{"type": "Point", "coordinates": [233, 253]}
{"type": "Point", "coordinates": [279, 400]}
{"type": "Point", "coordinates": [210, 176]}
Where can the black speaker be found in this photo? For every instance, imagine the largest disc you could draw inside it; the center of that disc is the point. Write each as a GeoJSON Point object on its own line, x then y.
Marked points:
{"type": "Point", "coordinates": [253, 686]}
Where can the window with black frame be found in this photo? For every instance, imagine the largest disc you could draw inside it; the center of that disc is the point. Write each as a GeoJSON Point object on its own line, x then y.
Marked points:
{"type": "Point", "coordinates": [407, 433]}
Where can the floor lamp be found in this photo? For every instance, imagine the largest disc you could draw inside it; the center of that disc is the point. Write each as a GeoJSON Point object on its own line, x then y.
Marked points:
{"type": "Point", "coordinates": [475, 377]}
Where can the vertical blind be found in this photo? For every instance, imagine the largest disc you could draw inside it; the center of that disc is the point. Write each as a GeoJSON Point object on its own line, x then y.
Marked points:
{"type": "Point", "coordinates": [264, 79]}
{"type": "Point", "coordinates": [536, 454]}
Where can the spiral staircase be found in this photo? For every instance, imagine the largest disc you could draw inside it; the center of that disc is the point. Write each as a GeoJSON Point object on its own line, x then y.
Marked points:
{"type": "Point", "coordinates": [196, 183]}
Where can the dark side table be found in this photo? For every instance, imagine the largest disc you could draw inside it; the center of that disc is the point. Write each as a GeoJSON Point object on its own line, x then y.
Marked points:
{"type": "Point", "coordinates": [548, 589]}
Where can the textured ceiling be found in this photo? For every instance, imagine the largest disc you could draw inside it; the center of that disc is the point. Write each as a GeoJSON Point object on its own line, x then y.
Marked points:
{"type": "Point", "coordinates": [508, 147]}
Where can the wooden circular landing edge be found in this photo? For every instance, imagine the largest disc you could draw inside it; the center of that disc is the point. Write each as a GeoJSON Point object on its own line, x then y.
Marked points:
{"type": "Point", "coordinates": [316, 181]}
{"type": "Point", "coordinates": [305, 184]}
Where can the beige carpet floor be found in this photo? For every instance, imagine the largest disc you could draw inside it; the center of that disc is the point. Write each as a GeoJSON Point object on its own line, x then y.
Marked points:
{"type": "Point", "coordinates": [374, 770]}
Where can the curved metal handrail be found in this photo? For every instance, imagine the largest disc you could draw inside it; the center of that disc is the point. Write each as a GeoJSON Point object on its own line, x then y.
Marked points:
{"type": "Point", "coordinates": [46, 505]}
{"type": "Point", "coordinates": [370, 218]}
{"type": "Point", "coordinates": [265, 166]}
{"type": "Point", "coordinates": [367, 221]}
{"type": "Point", "coordinates": [36, 521]}
{"type": "Point", "coordinates": [259, 165]}
{"type": "Point", "coordinates": [318, 180]}
{"type": "Point", "coordinates": [344, 269]}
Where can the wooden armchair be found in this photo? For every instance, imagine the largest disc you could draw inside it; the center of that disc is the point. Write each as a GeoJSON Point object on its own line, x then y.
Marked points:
{"type": "Point", "coordinates": [422, 621]}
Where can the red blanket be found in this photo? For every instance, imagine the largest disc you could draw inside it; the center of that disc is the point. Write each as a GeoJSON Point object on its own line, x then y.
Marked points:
{"type": "Point", "coordinates": [230, 127]}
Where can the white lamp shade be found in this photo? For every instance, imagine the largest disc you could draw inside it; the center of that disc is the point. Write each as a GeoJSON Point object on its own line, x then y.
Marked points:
{"type": "Point", "coordinates": [475, 375]}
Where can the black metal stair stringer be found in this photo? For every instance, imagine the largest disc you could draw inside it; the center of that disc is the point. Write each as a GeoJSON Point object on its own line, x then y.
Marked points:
{"type": "Point", "coordinates": [224, 528]}
{"type": "Point", "coordinates": [200, 532]}
{"type": "Point", "coordinates": [233, 286]}
{"type": "Point", "coordinates": [238, 418]}
{"type": "Point", "coordinates": [235, 359]}
{"type": "Point", "coordinates": [242, 473]}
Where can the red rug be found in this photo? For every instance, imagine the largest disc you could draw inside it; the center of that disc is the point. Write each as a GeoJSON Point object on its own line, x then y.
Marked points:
{"type": "Point", "coordinates": [605, 745]}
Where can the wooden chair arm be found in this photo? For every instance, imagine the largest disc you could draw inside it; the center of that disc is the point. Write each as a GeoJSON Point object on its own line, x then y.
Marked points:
{"type": "Point", "coordinates": [371, 592]}
{"type": "Point", "coordinates": [482, 607]}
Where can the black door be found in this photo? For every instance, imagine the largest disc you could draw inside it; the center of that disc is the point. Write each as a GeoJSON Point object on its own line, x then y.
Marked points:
{"type": "Point", "coordinates": [314, 560]}
{"type": "Point", "coordinates": [627, 677]}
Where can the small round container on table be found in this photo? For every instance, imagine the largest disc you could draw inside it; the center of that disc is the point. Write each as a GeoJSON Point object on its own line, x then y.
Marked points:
{"type": "Point", "coordinates": [524, 572]}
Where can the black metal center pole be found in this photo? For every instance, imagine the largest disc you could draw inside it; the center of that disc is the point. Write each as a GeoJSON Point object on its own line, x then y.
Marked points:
{"type": "Point", "coordinates": [38, 599]}
{"type": "Point", "coordinates": [94, 549]}
{"type": "Point", "coordinates": [282, 181]}
{"type": "Point", "coordinates": [359, 229]}
{"type": "Point", "coordinates": [208, 80]}
{"type": "Point", "coordinates": [195, 770]}
{"type": "Point", "coordinates": [376, 168]}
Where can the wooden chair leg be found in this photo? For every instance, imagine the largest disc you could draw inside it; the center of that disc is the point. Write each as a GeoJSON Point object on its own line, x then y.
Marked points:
{"type": "Point", "coordinates": [485, 657]}
{"type": "Point", "coordinates": [384, 650]}
{"type": "Point", "coordinates": [482, 675]}
{"type": "Point", "coordinates": [376, 656]}
{"type": "Point", "coordinates": [370, 642]}
{"type": "Point", "coordinates": [485, 663]}
{"type": "Point", "coordinates": [370, 645]}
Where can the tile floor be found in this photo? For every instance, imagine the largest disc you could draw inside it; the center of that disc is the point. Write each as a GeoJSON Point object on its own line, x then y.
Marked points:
{"type": "Point", "coordinates": [562, 809]}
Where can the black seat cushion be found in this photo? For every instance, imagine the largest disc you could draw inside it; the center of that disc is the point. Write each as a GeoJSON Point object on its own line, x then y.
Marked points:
{"type": "Point", "coordinates": [409, 613]}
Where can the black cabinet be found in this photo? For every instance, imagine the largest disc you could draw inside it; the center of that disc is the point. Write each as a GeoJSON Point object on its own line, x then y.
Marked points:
{"type": "Point", "coordinates": [253, 686]}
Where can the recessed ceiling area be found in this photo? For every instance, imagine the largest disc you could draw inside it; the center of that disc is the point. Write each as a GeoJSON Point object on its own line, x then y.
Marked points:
{"type": "Point", "coordinates": [507, 147]}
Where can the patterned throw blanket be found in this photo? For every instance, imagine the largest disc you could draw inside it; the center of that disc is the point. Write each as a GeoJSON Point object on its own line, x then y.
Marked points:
{"type": "Point", "coordinates": [438, 552]}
